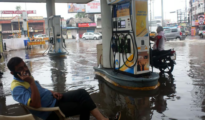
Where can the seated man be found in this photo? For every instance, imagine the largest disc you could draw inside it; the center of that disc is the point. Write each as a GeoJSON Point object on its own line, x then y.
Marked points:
{"type": "Point", "coordinates": [29, 92]}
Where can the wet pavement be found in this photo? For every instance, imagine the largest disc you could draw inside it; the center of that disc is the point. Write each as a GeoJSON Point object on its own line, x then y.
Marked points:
{"type": "Point", "coordinates": [180, 96]}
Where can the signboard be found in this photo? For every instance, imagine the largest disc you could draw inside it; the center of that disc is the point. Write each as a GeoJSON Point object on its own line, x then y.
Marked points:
{"type": "Point", "coordinates": [183, 24]}
{"type": "Point", "coordinates": [76, 8]}
{"type": "Point", "coordinates": [201, 20]}
{"type": "Point", "coordinates": [92, 24]}
{"type": "Point", "coordinates": [123, 10]}
{"type": "Point", "coordinates": [87, 25]}
{"type": "Point", "coordinates": [141, 18]}
{"type": "Point", "coordinates": [193, 31]}
{"type": "Point", "coordinates": [17, 12]}
{"type": "Point", "coordinates": [83, 25]}
{"type": "Point", "coordinates": [93, 7]}
{"type": "Point", "coordinates": [196, 23]}
{"type": "Point", "coordinates": [14, 31]}
{"type": "Point", "coordinates": [36, 43]}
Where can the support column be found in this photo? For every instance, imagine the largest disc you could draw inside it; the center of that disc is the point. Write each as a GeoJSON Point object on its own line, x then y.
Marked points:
{"type": "Point", "coordinates": [50, 6]}
{"type": "Point", "coordinates": [12, 28]}
{"type": "Point", "coordinates": [106, 32]}
{"type": "Point", "coordinates": [162, 3]}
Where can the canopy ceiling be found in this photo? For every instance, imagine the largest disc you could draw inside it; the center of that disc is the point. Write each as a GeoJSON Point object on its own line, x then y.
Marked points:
{"type": "Point", "coordinates": [44, 1]}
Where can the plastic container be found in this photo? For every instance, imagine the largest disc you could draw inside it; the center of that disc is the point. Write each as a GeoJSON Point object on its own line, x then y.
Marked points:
{"type": "Point", "coordinates": [25, 43]}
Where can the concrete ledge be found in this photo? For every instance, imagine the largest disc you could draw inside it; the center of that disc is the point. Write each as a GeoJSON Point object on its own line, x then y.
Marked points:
{"type": "Point", "coordinates": [129, 82]}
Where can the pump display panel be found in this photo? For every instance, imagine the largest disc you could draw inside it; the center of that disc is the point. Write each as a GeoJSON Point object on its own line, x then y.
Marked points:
{"type": "Point", "coordinates": [122, 24]}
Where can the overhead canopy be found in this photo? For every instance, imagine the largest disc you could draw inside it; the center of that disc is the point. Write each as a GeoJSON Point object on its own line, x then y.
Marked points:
{"type": "Point", "coordinates": [44, 1]}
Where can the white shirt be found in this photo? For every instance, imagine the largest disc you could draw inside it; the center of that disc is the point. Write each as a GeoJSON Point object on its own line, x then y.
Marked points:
{"type": "Point", "coordinates": [161, 42]}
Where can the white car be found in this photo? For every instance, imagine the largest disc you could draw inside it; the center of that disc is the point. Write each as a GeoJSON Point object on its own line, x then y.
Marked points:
{"type": "Point", "coordinates": [90, 35]}
{"type": "Point", "coordinates": [41, 36]}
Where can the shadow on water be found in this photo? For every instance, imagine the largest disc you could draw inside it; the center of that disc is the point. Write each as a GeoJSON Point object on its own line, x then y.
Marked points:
{"type": "Point", "coordinates": [134, 105]}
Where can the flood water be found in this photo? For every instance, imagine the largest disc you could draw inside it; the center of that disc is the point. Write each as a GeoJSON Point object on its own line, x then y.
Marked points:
{"type": "Point", "coordinates": [181, 96]}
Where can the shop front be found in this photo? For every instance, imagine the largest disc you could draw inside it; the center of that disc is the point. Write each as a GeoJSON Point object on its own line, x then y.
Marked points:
{"type": "Point", "coordinates": [86, 27]}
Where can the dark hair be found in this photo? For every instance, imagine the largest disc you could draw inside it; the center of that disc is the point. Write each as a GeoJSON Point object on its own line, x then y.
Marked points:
{"type": "Point", "coordinates": [13, 62]}
{"type": "Point", "coordinates": [201, 16]}
{"type": "Point", "coordinates": [159, 29]}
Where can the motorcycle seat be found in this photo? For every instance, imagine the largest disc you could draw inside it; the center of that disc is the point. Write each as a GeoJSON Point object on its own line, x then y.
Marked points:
{"type": "Point", "coordinates": [159, 53]}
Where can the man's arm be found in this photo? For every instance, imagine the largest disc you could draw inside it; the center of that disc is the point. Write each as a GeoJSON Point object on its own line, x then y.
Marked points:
{"type": "Point", "coordinates": [56, 95]}
{"type": "Point", "coordinates": [35, 96]}
{"type": "Point", "coordinates": [35, 100]}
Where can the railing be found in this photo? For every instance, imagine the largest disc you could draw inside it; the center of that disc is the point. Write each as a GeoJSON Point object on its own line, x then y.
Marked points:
{"type": "Point", "coordinates": [200, 10]}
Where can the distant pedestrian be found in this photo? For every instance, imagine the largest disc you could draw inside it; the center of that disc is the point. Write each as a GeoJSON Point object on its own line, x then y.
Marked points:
{"type": "Point", "coordinates": [77, 37]}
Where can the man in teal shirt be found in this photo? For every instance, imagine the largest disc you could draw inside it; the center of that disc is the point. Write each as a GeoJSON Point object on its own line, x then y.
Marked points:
{"type": "Point", "coordinates": [30, 93]}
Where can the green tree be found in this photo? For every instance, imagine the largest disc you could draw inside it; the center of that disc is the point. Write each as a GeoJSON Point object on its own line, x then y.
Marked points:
{"type": "Point", "coordinates": [80, 15]}
{"type": "Point", "coordinates": [18, 7]}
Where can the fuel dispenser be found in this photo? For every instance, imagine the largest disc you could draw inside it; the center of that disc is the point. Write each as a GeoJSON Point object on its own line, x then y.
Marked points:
{"type": "Point", "coordinates": [129, 46]}
{"type": "Point", "coordinates": [56, 41]}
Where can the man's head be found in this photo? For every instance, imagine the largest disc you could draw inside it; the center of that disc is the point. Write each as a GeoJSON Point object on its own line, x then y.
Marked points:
{"type": "Point", "coordinates": [159, 29]}
{"type": "Point", "coordinates": [17, 64]}
{"type": "Point", "coordinates": [201, 19]}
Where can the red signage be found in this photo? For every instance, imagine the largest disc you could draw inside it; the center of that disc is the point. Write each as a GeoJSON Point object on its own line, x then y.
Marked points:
{"type": "Point", "coordinates": [87, 25]}
{"type": "Point", "coordinates": [92, 24]}
{"type": "Point", "coordinates": [83, 25]}
{"type": "Point", "coordinates": [17, 12]}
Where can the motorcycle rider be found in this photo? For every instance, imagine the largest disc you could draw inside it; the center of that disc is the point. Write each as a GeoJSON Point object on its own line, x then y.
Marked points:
{"type": "Point", "coordinates": [161, 58]}
{"type": "Point", "coordinates": [159, 40]}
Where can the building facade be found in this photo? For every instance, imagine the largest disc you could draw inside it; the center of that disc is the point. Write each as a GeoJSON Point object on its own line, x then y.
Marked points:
{"type": "Point", "coordinates": [81, 25]}
{"type": "Point", "coordinates": [196, 15]}
{"type": "Point", "coordinates": [12, 26]}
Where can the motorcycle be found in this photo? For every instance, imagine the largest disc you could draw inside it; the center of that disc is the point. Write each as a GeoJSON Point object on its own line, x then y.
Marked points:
{"type": "Point", "coordinates": [163, 60]}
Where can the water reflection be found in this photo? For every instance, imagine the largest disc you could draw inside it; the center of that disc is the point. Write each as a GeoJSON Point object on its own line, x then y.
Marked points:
{"type": "Point", "coordinates": [58, 74]}
{"type": "Point", "coordinates": [196, 72]}
{"type": "Point", "coordinates": [135, 105]}
{"type": "Point", "coordinates": [2, 100]}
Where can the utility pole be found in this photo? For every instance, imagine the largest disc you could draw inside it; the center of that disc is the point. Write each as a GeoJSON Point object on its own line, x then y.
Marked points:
{"type": "Point", "coordinates": [153, 10]}
{"type": "Point", "coordinates": [185, 6]}
{"type": "Point", "coordinates": [162, 12]}
{"type": "Point", "coordinates": [186, 12]}
{"type": "Point", "coordinates": [192, 12]}
{"type": "Point", "coordinates": [204, 6]}
{"type": "Point", "coordinates": [150, 10]}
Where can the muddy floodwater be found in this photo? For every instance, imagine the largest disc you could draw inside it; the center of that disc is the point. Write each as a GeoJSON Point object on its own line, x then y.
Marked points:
{"type": "Point", "coordinates": [181, 96]}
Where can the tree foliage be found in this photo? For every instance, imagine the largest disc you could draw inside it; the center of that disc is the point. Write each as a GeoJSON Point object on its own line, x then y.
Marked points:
{"type": "Point", "coordinates": [80, 15]}
{"type": "Point", "coordinates": [18, 7]}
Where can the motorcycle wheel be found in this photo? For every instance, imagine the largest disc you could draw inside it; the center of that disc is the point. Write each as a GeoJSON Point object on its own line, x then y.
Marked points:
{"type": "Point", "coordinates": [168, 69]}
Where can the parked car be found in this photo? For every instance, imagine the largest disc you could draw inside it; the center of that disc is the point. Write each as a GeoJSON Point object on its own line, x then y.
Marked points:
{"type": "Point", "coordinates": [41, 37]}
{"type": "Point", "coordinates": [99, 34]}
{"type": "Point", "coordinates": [90, 35]}
{"type": "Point", "coordinates": [174, 33]}
{"type": "Point", "coordinates": [10, 36]}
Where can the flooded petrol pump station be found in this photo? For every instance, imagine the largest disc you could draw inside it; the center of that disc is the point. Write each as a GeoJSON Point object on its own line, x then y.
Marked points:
{"type": "Point", "coordinates": [129, 60]}
{"type": "Point", "coordinates": [179, 96]}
